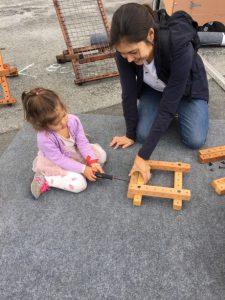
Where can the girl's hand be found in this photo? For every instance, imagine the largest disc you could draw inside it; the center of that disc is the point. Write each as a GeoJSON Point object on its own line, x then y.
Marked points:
{"type": "Point", "coordinates": [97, 168]}
{"type": "Point", "coordinates": [122, 141]}
{"type": "Point", "coordinates": [89, 173]}
{"type": "Point", "coordinates": [140, 165]}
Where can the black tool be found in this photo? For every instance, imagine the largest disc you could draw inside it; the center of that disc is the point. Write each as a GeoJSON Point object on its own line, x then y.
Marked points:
{"type": "Point", "coordinates": [107, 176]}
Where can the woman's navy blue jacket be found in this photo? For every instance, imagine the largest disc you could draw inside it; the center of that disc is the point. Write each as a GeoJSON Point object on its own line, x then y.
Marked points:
{"type": "Point", "coordinates": [183, 72]}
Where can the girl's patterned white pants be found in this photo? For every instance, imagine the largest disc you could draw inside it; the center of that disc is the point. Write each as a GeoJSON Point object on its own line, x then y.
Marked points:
{"type": "Point", "coordinates": [75, 182]}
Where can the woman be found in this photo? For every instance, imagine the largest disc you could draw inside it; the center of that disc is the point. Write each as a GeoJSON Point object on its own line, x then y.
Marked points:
{"type": "Point", "coordinates": [165, 86]}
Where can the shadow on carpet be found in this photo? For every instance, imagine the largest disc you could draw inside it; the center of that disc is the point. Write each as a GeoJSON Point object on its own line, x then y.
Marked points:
{"type": "Point", "coordinates": [96, 245]}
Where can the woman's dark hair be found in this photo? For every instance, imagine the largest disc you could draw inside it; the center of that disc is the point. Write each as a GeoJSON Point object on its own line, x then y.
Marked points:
{"type": "Point", "coordinates": [132, 22]}
{"type": "Point", "coordinates": [40, 107]}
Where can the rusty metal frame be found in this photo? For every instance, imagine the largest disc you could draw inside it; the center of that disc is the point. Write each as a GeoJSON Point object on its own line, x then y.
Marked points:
{"type": "Point", "coordinates": [76, 55]}
{"type": "Point", "coordinates": [6, 70]}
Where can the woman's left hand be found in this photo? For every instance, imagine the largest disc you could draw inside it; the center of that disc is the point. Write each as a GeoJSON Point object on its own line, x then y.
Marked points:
{"type": "Point", "coordinates": [140, 165]}
{"type": "Point", "coordinates": [97, 168]}
{"type": "Point", "coordinates": [121, 141]}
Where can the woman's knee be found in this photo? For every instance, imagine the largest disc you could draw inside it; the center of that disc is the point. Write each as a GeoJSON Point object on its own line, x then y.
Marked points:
{"type": "Point", "coordinates": [141, 136]}
{"type": "Point", "coordinates": [194, 142]}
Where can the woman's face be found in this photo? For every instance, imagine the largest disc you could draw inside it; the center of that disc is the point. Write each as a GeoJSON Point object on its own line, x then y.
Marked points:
{"type": "Point", "coordinates": [137, 52]}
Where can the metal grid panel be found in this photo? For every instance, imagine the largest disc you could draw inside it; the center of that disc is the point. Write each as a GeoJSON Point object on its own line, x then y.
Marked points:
{"type": "Point", "coordinates": [85, 30]}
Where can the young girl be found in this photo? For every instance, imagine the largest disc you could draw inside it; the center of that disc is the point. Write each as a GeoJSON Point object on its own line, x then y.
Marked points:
{"type": "Point", "coordinates": [65, 158]}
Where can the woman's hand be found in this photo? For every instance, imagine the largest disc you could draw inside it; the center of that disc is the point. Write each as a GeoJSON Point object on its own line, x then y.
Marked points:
{"type": "Point", "coordinates": [97, 168]}
{"type": "Point", "coordinates": [89, 173]}
{"type": "Point", "coordinates": [122, 141]}
{"type": "Point", "coordinates": [140, 165]}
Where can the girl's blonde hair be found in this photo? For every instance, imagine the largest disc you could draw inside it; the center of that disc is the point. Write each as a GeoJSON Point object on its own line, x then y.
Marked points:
{"type": "Point", "coordinates": [40, 107]}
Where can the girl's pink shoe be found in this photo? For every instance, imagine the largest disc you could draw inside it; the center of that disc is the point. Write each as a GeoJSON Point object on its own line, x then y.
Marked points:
{"type": "Point", "coordinates": [39, 185]}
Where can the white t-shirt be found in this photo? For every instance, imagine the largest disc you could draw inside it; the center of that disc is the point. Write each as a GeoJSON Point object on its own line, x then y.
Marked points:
{"type": "Point", "coordinates": [151, 78]}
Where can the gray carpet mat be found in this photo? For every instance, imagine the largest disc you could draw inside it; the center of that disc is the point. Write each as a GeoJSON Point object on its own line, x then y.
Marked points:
{"type": "Point", "coordinates": [96, 244]}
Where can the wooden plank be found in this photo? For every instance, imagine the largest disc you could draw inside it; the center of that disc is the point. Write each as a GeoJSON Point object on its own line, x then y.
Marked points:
{"type": "Point", "coordinates": [137, 198]}
{"type": "Point", "coordinates": [177, 203]}
{"type": "Point", "coordinates": [133, 180]}
{"type": "Point", "coordinates": [211, 157]}
{"type": "Point", "coordinates": [161, 192]}
{"type": "Point", "coordinates": [169, 166]}
{"type": "Point", "coordinates": [211, 150]}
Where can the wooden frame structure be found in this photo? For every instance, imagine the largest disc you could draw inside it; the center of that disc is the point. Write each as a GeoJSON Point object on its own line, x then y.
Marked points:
{"type": "Point", "coordinates": [6, 70]}
{"type": "Point", "coordinates": [136, 188]}
{"type": "Point", "coordinates": [85, 30]}
{"type": "Point", "coordinates": [211, 154]}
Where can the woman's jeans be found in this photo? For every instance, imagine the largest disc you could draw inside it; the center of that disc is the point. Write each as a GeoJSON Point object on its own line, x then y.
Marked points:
{"type": "Point", "coordinates": [192, 118]}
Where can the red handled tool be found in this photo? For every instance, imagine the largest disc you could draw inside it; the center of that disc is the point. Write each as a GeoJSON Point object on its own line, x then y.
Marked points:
{"type": "Point", "coordinates": [107, 176]}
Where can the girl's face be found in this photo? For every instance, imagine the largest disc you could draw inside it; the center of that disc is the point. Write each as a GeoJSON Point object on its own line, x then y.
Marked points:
{"type": "Point", "coordinates": [137, 52]}
{"type": "Point", "coordinates": [61, 120]}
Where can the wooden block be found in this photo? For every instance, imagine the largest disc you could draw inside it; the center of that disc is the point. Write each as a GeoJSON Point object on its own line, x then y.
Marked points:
{"type": "Point", "coordinates": [211, 154]}
{"type": "Point", "coordinates": [133, 180]}
{"type": "Point", "coordinates": [168, 166]}
{"type": "Point", "coordinates": [212, 157]}
{"type": "Point", "coordinates": [177, 203]}
{"type": "Point", "coordinates": [219, 186]}
{"type": "Point", "coordinates": [161, 192]}
{"type": "Point", "coordinates": [137, 198]}
{"type": "Point", "coordinates": [211, 150]}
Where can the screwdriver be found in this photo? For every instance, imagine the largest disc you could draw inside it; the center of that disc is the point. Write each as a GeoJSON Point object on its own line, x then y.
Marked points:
{"type": "Point", "coordinates": [107, 176]}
